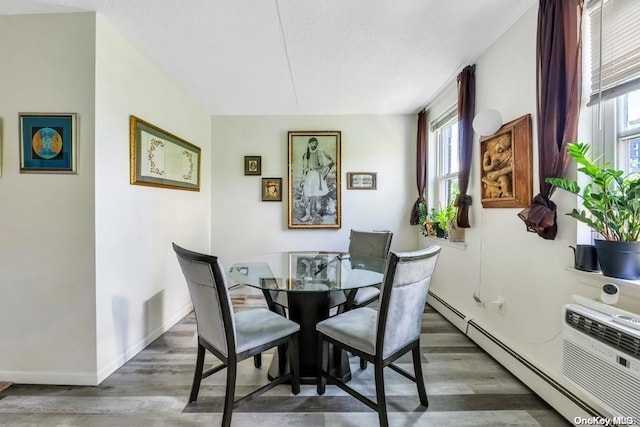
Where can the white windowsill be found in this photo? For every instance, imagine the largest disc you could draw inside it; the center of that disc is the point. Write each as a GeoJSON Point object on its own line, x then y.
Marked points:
{"type": "Point", "coordinates": [445, 242]}
{"type": "Point", "coordinates": [630, 288]}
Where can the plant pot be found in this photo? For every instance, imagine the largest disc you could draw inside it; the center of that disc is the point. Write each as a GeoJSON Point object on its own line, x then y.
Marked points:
{"type": "Point", "coordinates": [619, 259]}
{"type": "Point", "coordinates": [439, 231]}
{"type": "Point", "coordinates": [455, 234]}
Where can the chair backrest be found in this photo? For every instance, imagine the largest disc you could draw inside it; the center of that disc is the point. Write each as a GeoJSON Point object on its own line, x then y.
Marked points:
{"type": "Point", "coordinates": [374, 244]}
{"type": "Point", "coordinates": [403, 297]}
{"type": "Point", "coordinates": [211, 301]}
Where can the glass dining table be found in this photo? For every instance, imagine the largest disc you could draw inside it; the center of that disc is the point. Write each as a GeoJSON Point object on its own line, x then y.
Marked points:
{"type": "Point", "coordinates": [308, 284]}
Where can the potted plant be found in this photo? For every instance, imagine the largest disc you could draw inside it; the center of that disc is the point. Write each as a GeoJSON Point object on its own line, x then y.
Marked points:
{"type": "Point", "coordinates": [611, 204]}
{"type": "Point", "coordinates": [443, 218]}
{"type": "Point", "coordinates": [425, 220]}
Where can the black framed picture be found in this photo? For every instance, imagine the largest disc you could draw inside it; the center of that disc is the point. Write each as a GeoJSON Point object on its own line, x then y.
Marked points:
{"type": "Point", "coordinates": [252, 165]}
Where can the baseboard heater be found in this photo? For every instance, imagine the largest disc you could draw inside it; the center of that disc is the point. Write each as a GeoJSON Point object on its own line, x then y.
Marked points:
{"type": "Point", "coordinates": [546, 378]}
{"type": "Point", "coordinates": [447, 305]}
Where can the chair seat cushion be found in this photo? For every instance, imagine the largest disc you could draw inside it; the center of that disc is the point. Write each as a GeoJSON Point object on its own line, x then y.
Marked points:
{"type": "Point", "coordinates": [259, 326]}
{"type": "Point", "coordinates": [356, 328]}
{"type": "Point", "coordinates": [366, 295]}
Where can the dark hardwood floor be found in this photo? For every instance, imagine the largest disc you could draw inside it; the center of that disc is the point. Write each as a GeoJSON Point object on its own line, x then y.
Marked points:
{"type": "Point", "coordinates": [466, 387]}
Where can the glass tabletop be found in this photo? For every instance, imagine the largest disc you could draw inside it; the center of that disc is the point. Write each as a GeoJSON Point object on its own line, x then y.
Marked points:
{"type": "Point", "coordinates": [308, 271]}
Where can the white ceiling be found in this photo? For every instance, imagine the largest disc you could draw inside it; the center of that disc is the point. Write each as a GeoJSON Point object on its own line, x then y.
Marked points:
{"type": "Point", "coordinates": [253, 57]}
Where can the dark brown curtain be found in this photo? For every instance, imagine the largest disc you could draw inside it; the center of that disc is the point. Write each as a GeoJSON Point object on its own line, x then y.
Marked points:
{"type": "Point", "coordinates": [421, 165]}
{"type": "Point", "coordinates": [466, 110]}
{"type": "Point", "coordinates": [559, 79]}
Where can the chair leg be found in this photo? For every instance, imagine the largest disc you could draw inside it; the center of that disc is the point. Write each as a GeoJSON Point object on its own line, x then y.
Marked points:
{"type": "Point", "coordinates": [197, 375]}
{"type": "Point", "coordinates": [322, 359]}
{"type": "Point", "coordinates": [380, 397]}
{"type": "Point", "coordinates": [229, 395]}
{"type": "Point", "coordinates": [282, 359]}
{"type": "Point", "coordinates": [294, 364]}
{"type": "Point", "coordinates": [363, 364]}
{"type": "Point", "coordinates": [417, 369]}
{"type": "Point", "coordinates": [257, 360]}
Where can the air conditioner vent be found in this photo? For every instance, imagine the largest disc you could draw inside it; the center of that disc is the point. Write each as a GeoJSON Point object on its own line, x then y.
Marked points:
{"type": "Point", "coordinates": [602, 332]}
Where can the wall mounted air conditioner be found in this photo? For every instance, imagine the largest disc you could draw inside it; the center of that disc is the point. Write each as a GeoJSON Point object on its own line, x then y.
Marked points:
{"type": "Point", "coordinates": [601, 357]}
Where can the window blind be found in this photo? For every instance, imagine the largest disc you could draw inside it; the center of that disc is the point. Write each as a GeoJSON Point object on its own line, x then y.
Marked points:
{"type": "Point", "coordinates": [620, 48]}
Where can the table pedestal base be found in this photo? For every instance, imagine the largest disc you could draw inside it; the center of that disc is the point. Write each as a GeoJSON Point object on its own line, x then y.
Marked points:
{"type": "Point", "coordinates": [307, 309]}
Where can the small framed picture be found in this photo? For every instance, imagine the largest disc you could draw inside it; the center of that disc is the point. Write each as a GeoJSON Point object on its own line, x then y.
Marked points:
{"type": "Point", "coordinates": [271, 189]}
{"type": "Point", "coordinates": [48, 142]}
{"type": "Point", "coordinates": [362, 180]}
{"type": "Point", "coordinates": [252, 165]}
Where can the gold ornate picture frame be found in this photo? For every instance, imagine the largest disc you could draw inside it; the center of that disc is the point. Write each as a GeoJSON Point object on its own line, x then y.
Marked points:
{"type": "Point", "coordinates": [314, 179]}
{"type": "Point", "coordinates": [160, 159]}
{"type": "Point", "coordinates": [506, 166]}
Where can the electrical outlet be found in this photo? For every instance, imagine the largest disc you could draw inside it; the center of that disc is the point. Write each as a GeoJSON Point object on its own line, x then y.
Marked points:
{"type": "Point", "coordinates": [499, 304]}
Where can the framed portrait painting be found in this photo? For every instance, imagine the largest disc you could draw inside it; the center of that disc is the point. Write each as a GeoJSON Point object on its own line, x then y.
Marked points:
{"type": "Point", "coordinates": [314, 179]}
{"type": "Point", "coordinates": [48, 143]}
{"type": "Point", "coordinates": [252, 165]}
{"type": "Point", "coordinates": [506, 175]}
{"type": "Point", "coordinates": [160, 159]}
{"type": "Point", "coordinates": [271, 189]}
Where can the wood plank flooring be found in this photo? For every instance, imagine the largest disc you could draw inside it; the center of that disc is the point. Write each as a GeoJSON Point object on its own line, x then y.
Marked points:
{"type": "Point", "coordinates": [466, 387]}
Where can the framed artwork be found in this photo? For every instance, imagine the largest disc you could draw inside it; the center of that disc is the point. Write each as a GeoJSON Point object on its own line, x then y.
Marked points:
{"type": "Point", "coordinates": [362, 180]}
{"type": "Point", "coordinates": [160, 159]}
{"type": "Point", "coordinates": [314, 179]}
{"type": "Point", "coordinates": [271, 189]}
{"type": "Point", "coordinates": [48, 142]}
{"type": "Point", "coordinates": [506, 171]}
{"type": "Point", "coordinates": [252, 165]}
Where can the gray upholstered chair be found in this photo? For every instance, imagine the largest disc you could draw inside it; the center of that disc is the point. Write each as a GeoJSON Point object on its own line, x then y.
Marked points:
{"type": "Point", "coordinates": [373, 244]}
{"type": "Point", "coordinates": [365, 247]}
{"type": "Point", "coordinates": [232, 337]}
{"type": "Point", "coordinates": [382, 336]}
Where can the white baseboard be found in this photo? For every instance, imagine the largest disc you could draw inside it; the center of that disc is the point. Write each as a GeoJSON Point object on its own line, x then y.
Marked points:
{"type": "Point", "coordinates": [93, 378]}
{"type": "Point", "coordinates": [563, 400]}
{"type": "Point", "coordinates": [57, 378]}
{"type": "Point", "coordinates": [118, 361]}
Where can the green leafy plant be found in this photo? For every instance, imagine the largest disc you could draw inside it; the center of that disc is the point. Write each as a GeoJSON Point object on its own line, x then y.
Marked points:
{"type": "Point", "coordinates": [445, 215]}
{"type": "Point", "coordinates": [611, 200]}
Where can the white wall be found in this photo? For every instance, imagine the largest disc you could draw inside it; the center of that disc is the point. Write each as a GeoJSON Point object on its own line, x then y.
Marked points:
{"type": "Point", "coordinates": [88, 276]}
{"type": "Point", "coordinates": [140, 290]}
{"type": "Point", "coordinates": [243, 224]}
{"type": "Point", "coordinates": [47, 262]}
{"type": "Point", "coordinates": [501, 259]}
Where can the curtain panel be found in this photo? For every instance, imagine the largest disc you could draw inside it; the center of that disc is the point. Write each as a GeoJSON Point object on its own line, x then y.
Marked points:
{"type": "Point", "coordinates": [466, 110]}
{"type": "Point", "coordinates": [558, 79]}
{"type": "Point", "coordinates": [421, 165]}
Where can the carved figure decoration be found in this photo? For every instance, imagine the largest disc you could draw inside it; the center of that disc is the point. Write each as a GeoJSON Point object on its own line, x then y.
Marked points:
{"type": "Point", "coordinates": [505, 165]}
{"type": "Point", "coordinates": [497, 167]}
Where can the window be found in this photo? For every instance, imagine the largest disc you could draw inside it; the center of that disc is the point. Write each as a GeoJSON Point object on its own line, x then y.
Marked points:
{"type": "Point", "coordinates": [614, 42]}
{"type": "Point", "coordinates": [614, 36]}
{"type": "Point", "coordinates": [628, 132]}
{"type": "Point", "coordinates": [446, 165]}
